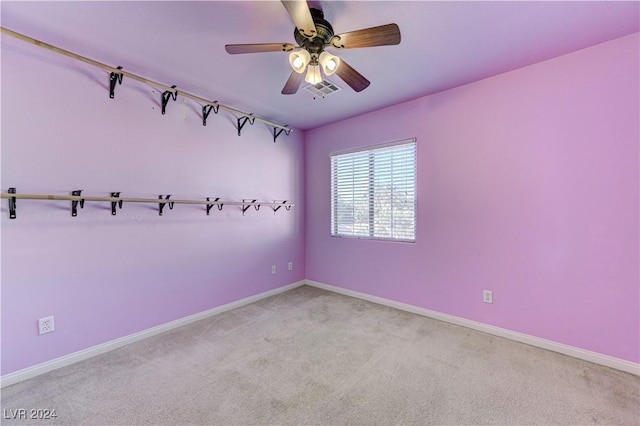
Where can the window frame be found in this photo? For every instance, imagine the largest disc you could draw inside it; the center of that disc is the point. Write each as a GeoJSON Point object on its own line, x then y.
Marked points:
{"type": "Point", "coordinates": [370, 149]}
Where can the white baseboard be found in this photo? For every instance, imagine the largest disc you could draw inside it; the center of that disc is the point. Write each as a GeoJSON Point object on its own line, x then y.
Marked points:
{"type": "Point", "coordinates": [45, 367]}
{"type": "Point", "coordinates": [597, 358]}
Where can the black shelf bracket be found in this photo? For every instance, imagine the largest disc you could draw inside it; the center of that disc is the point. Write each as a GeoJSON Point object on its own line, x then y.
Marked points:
{"type": "Point", "coordinates": [161, 205]}
{"type": "Point", "coordinates": [114, 77]}
{"type": "Point", "coordinates": [74, 203]}
{"type": "Point", "coordinates": [243, 120]}
{"type": "Point", "coordinates": [166, 96]}
{"type": "Point", "coordinates": [277, 133]}
{"type": "Point", "coordinates": [206, 110]}
{"type": "Point", "coordinates": [12, 204]}
{"type": "Point", "coordinates": [284, 204]}
{"type": "Point", "coordinates": [115, 203]}
{"type": "Point", "coordinates": [245, 207]}
{"type": "Point", "coordinates": [209, 206]}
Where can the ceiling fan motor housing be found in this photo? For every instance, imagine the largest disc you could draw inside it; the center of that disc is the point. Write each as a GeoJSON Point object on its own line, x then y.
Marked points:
{"type": "Point", "coordinates": [315, 44]}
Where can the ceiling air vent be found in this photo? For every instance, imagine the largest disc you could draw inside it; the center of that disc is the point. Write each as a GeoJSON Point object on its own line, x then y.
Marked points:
{"type": "Point", "coordinates": [322, 89]}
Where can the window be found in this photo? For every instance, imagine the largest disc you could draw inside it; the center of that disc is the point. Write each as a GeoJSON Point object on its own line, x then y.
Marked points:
{"type": "Point", "coordinates": [373, 192]}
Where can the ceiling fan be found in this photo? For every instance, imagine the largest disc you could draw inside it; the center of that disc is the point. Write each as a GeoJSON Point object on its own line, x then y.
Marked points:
{"type": "Point", "coordinates": [313, 34]}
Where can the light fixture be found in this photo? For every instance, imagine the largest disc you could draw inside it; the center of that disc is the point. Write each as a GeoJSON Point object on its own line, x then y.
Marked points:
{"type": "Point", "coordinates": [329, 63]}
{"type": "Point", "coordinates": [299, 59]}
{"type": "Point", "coordinates": [313, 74]}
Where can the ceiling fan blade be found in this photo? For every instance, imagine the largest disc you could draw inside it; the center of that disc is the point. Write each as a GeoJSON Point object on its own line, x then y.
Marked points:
{"type": "Point", "coordinates": [301, 16]}
{"type": "Point", "coordinates": [293, 83]}
{"type": "Point", "coordinates": [352, 77]}
{"type": "Point", "coordinates": [384, 35]}
{"type": "Point", "coordinates": [235, 49]}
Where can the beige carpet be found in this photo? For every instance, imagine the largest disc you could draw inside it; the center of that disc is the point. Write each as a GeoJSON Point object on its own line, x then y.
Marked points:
{"type": "Point", "coordinates": [311, 357]}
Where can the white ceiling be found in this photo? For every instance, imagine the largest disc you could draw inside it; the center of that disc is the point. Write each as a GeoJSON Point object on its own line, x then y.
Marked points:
{"type": "Point", "coordinates": [444, 44]}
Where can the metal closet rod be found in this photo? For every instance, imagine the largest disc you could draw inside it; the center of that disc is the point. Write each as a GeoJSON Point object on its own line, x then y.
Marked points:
{"type": "Point", "coordinates": [140, 200]}
{"type": "Point", "coordinates": [77, 198]}
{"type": "Point", "coordinates": [136, 77]}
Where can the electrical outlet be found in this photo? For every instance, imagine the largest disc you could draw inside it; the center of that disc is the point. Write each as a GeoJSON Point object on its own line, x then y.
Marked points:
{"type": "Point", "coordinates": [45, 325]}
{"type": "Point", "coordinates": [487, 296]}
{"type": "Point", "coordinates": [273, 269]}
{"type": "Point", "coordinates": [290, 267]}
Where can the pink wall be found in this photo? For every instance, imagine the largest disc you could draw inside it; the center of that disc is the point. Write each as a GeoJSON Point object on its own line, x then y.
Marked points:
{"type": "Point", "coordinates": [527, 185]}
{"type": "Point", "coordinates": [105, 277]}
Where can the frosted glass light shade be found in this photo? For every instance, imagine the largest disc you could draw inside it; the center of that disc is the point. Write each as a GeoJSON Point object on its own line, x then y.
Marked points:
{"type": "Point", "coordinates": [313, 75]}
{"type": "Point", "coordinates": [329, 63]}
{"type": "Point", "coordinates": [299, 59]}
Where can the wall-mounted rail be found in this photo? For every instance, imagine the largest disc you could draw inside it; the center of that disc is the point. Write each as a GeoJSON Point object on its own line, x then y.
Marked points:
{"type": "Point", "coordinates": [115, 200]}
{"type": "Point", "coordinates": [117, 74]}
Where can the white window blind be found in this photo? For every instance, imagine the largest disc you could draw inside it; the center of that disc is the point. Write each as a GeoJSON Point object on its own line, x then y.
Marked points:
{"type": "Point", "coordinates": [374, 192]}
